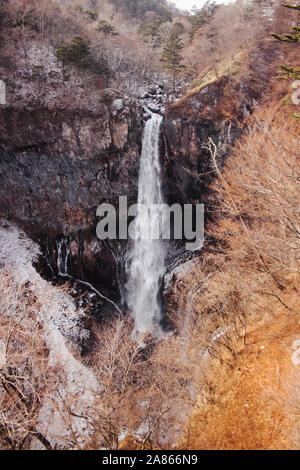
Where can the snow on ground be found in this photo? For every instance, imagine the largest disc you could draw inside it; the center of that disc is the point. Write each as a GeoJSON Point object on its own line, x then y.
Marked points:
{"type": "Point", "coordinates": [17, 252]}
{"type": "Point", "coordinates": [62, 323]}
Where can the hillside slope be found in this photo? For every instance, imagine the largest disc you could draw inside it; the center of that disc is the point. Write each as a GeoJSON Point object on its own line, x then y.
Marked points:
{"type": "Point", "coordinates": [241, 298]}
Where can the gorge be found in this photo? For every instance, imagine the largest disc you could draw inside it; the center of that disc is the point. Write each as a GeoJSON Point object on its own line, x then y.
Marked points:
{"type": "Point", "coordinates": [138, 343]}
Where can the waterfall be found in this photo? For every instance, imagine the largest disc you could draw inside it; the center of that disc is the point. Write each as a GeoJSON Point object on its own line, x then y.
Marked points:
{"type": "Point", "coordinates": [63, 253]}
{"type": "Point", "coordinates": [147, 255]}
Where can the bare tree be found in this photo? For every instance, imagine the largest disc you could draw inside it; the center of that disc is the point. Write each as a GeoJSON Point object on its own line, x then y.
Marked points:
{"type": "Point", "coordinates": [23, 366]}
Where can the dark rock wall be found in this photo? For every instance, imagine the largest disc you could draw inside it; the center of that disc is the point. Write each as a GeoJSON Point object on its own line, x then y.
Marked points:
{"type": "Point", "coordinates": [59, 161]}
{"type": "Point", "coordinates": [56, 167]}
{"type": "Point", "coordinates": [218, 111]}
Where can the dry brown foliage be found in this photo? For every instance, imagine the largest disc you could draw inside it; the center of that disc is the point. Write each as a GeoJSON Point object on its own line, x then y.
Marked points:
{"type": "Point", "coordinates": [143, 389]}
{"type": "Point", "coordinates": [244, 293]}
{"type": "Point", "coordinates": [24, 378]}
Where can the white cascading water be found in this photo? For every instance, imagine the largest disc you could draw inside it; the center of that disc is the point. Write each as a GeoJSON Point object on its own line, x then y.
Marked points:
{"type": "Point", "coordinates": [63, 253]}
{"type": "Point", "coordinates": [147, 255]}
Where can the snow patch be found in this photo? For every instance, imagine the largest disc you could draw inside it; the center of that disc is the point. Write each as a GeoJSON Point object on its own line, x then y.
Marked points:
{"type": "Point", "coordinates": [61, 321]}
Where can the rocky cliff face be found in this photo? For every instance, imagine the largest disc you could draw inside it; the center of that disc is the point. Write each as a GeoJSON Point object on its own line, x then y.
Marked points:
{"type": "Point", "coordinates": [187, 129]}
{"type": "Point", "coordinates": [67, 146]}
{"type": "Point", "coordinates": [218, 111]}
{"type": "Point", "coordinates": [58, 165]}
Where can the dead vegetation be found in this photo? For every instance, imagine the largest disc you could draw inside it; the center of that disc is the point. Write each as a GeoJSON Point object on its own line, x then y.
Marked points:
{"type": "Point", "coordinates": [24, 370]}
{"type": "Point", "coordinates": [239, 306]}
{"type": "Point", "coordinates": [131, 386]}
{"type": "Point", "coordinates": [236, 314]}
{"type": "Point", "coordinates": [126, 53]}
{"type": "Point", "coordinates": [143, 389]}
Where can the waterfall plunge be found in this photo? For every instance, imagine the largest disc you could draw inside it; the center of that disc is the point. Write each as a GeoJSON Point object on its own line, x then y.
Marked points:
{"type": "Point", "coordinates": [147, 255]}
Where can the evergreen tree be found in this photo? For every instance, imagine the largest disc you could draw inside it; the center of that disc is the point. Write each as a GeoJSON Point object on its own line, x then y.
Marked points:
{"type": "Point", "coordinates": [151, 36]}
{"type": "Point", "coordinates": [289, 5]}
{"type": "Point", "coordinates": [178, 28]}
{"type": "Point", "coordinates": [294, 38]}
{"type": "Point", "coordinates": [294, 35]}
{"type": "Point", "coordinates": [90, 14]}
{"type": "Point", "coordinates": [138, 8]}
{"type": "Point", "coordinates": [150, 31]}
{"type": "Point", "coordinates": [172, 58]}
{"type": "Point", "coordinates": [77, 53]}
{"type": "Point", "coordinates": [200, 17]}
{"type": "Point", "coordinates": [287, 72]}
{"type": "Point", "coordinates": [62, 55]}
{"type": "Point", "coordinates": [107, 29]}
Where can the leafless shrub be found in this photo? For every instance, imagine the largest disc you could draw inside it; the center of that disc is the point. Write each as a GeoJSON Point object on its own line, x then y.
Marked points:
{"type": "Point", "coordinates": [144, 389]}
{"type": "Point", "coordinates": [24, 365]}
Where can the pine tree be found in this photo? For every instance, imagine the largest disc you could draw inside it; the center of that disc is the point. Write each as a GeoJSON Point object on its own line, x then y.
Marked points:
{"type": "Point", "coordinates": [150, 31]}
{"type": "Point", "coordinates": [287, 72]}
{"type": "Point", "coordinates": [90, 14]}
{"type": "Point", "coordinates": [172, 58]}
{"type": "Point", "coordinates": [294, 35]}
{"type": "Point", "coordinates": [151, 36]}
{"type": "Point", "coordinates": [294, 38]}
{"type": "Point", "coordinates": [62, 55]}
{"type": "Point", "coordinates": [289, 5]}
{"type": "Point", "coordinates": [107, 29]}
{"type": "Point", "coordinates": [201, 16]}
{"type": "Point", "coordinates": [138, 8]}
{"type": "Point", "coordinates": [79, 51]}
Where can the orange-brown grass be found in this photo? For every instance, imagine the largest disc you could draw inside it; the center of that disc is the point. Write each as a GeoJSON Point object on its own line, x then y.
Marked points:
{"type": "Point", "coordinates": [251, 406]}
{"type": "Point", "coordinates": [248, 282]}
